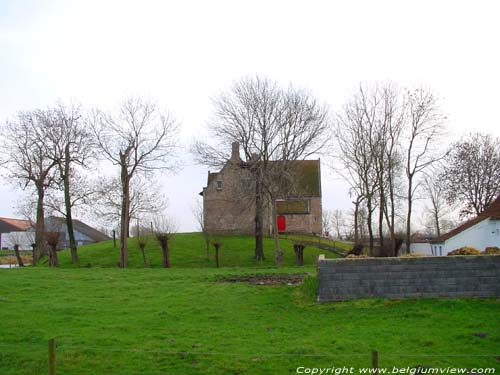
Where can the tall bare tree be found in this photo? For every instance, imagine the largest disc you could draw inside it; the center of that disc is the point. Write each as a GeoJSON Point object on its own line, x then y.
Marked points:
{"type": "Point", "coordinates": [472, 172]}
{"type": "Point", "coordinates": [354, 133]}
{"type": "Point", "coordinates": [382, 134]}
{"type": "Point", "coordinates": [139, 139]}
{"type": "Point", "coordinates": [425, 129]}
{"type": "Point", "coordinates": [199, 215]}
{"type": "Point", "coordinates": [27, 157]}
{"type": "Point", "coordinates": [434, 190]}
{"type": "Point", "coordinates": [73, 148]}
{"type": "Point", "coordinates": [273, 125]}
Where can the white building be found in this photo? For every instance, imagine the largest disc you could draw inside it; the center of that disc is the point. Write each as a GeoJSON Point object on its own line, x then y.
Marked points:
{"type": "Point", "coordinates": [480, 233]}
{"type": "Point", "coordinates": [16, 232]}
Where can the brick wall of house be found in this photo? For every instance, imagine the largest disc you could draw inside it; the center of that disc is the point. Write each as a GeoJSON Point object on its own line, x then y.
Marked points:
{"type": "Point", "coordinates": [229, 204]}
{"type": "Point", "coordinates": [230, 209]}
{"type": "Point", "coordinates": [306, 223]}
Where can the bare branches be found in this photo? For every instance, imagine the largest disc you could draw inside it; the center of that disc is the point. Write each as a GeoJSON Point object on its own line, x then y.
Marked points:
{"type": "Point", "coordinates": [273, 125]}
{"type": "Point", "coordinates": [472, 172]}
{"type": "Point", "coordinates": [140, 139]}
{"type": "Point", "coordinates": [139, 136]}
{"type": "Point", "coordinates": [380, 133]}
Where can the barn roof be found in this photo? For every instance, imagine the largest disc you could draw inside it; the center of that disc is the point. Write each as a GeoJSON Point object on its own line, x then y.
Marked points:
{"type": "Point", "coordinates": [54, 223]}
{"type": "Point", "coordinates": [14, 225]}
{"type": "Point", "coordinates": [492, 212]}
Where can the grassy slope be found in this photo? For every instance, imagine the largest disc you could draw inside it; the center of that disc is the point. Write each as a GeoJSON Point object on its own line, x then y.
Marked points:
{"type": "Point", "coordinates": [94, 312]}
{"type": "Point", "coordinates": [188, 250]}
{"type": "Point", "coordinates": [113, 321]}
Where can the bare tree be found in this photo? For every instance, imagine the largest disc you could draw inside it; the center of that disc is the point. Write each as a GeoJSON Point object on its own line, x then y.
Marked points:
{"type": "Point", "coordinates": [27, 150]}
{"type": "Point", "coordinates": [17, 239]}
{"type": "Point", "coordinates": [425, 129]}
{"type": "Point", "coordinates": [139, 139]}
{"type": "Point", "coordinates": [472, 172]}
{"type": "Point", "coordinates": [435, 193]}
{"type": "Point", "coordinates": [338, 222]}
{"type": "Point", "coordinates": [381, 132]}
{"type": "Point", "coordinates": [326, 222]}
{"type": "Point", "coordinates": [142, 241]}
{"type": "Point", "coordinates": [164, 230]}
{"type": "Point", "coordinates": [274, 126]}
{"type": "Point", "coordinates": [217, 241]}
{"type": "Point", "coordinates": [73, 147]}
{"type": "Point", "coordinates": [354, 128]}
{"type": "Point", "coordinates": [52, 241]}
{"type": "Point", "coordinates": [199, 215]}
{"type": "Point", "coordinates": [146, 200]}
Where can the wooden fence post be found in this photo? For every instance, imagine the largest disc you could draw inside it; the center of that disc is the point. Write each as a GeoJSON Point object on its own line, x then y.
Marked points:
{"type": "Point", "coordinates": [375, 361]}
{"type": "Point", "coordinates": [52, 357]}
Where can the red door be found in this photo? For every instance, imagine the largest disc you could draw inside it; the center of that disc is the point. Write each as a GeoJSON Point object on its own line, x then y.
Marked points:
{"type": "Point", "coordinates": [281, 221]}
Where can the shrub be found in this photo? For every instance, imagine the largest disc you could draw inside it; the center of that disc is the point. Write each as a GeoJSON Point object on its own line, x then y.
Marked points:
{"type": "Point", "coordinates": [357, 249]}
{"type": "Point", "coordinates": [465, 251]}
{"type": "Point", "coordinates": [492, 250]}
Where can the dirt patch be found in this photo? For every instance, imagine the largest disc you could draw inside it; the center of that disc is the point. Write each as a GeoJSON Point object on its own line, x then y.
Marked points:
{"type": "Point", "coordinates": [274, 279]}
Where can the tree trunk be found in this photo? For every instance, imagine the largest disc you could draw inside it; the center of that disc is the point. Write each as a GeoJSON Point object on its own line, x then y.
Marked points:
{"type": "Point", "coordinates": [408, 215]}
{"type": "Point", "coordinates": [18, 256]}
{"type": "Point", "coordinates": [40, 226]}
{"type": "Point", "coordinates": [143, 253]}
{"type": "Point", "coordinates": [125, 180]}
{"type": "Point", "coordinates": [259, 215]}
{"type": "Point", "coordinates": [165, 251]}
{"type": "Point", "coordinates": [216, 255]}
{"type": "Point", "coordinates": [356, 219]}
{"type": "Point", "coordinates": [278, 254]}
{"type": "Point", "coordinates": [53, 262]}
{"type": "Point", "coordinates": [67, 204]}
{"type": "Point", "coordinates": [436, 222]}
{"type": "Point", "coordinates": [369, 225]}
{"type": "Point", "coordinates": [381, 226]}
{"type": "Point", "coordinates": [299, 254]}
{"type": "Point", "coordinates": [207, 245]}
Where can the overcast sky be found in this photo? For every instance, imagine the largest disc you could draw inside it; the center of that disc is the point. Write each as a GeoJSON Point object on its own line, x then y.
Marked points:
{"type": "Point", "coordinates": [185, 52]}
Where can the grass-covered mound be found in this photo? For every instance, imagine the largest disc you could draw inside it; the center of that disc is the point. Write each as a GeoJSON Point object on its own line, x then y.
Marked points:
{"type": "Point", "coordinates": [188, 250]}
{"type": "Point", "coordinates": [187, 321]}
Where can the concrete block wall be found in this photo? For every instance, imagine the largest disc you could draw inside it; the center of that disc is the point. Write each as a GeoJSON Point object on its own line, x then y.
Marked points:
{"type": "Point", "coordinates": [395, 278]}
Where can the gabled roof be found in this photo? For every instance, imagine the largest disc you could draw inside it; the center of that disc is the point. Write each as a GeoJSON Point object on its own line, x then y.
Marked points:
{"type": "Point", "coordinates": [14, 225]}
{"type": "Point", "coordinates": [492, 212]}
{"type": "Point", "coordinates": [305, 173]}
{"type": "Point", "coordinates": [54, 223]}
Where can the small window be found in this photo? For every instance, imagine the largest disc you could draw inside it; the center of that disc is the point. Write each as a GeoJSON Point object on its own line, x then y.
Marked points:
{"type": "Point", "coordinates": [218, 185]}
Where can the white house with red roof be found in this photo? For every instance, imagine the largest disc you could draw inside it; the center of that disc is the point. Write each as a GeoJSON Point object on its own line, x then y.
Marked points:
{"type": "Point", "coordinates": [16, 231]}
{"type": "Point", "coordinates": [481, 232]}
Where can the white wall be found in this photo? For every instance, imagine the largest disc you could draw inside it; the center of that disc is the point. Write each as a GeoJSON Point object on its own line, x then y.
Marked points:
{"type": "Point", "coordinates": [23, 239]}
{"type": "Point", "coordinates": [484, 234]}
{"type": "Point", "coordinates": [421, 248]}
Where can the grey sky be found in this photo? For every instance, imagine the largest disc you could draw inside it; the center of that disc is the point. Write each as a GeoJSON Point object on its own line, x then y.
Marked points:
{"type": "Point", "coordinates": [184, 52]}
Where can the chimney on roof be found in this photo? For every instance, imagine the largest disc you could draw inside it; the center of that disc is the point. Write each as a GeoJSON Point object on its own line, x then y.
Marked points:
{"type": "Point", "coordinates": [235, 152]}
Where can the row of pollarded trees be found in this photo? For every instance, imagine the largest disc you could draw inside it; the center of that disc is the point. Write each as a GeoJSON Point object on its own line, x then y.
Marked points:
{"type": "Point", "coordinates": [53, 147]}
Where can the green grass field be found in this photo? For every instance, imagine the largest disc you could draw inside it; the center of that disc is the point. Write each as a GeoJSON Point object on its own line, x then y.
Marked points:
{"type": "Point", "coordinates": [188, 250]}
{"type": "Point", "coordinates": [184, 320]}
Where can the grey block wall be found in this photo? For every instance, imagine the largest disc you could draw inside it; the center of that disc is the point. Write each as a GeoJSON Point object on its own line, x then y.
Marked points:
{"type": "Point", "coordinates": [426, 277]}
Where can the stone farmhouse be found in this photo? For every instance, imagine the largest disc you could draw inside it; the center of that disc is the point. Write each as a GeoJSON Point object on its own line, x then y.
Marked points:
{"type": "Point", "coordinates": [229, 199]}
